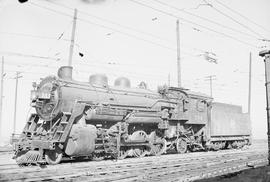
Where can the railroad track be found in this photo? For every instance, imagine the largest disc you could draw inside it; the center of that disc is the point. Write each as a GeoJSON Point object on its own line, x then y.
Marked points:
{"type": "Point", "coordinates": [188, 157]}
{"type": "Point", "coordinates": [172, 167]}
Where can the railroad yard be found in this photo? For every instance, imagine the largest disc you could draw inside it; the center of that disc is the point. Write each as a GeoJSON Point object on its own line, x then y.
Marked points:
{"type": "Point", "coordinates": [174, 167]}
{"type": "Point", "coordinates": [135, 90]}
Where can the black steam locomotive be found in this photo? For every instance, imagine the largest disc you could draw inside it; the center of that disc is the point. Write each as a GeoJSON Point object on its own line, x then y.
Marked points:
{"type": "Point", "coordinates": [94, 120]}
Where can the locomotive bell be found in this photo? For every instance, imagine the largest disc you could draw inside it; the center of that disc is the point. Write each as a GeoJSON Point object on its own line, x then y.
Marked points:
{"type": "Point", "coordinates": [99, 79]}
{"type": "Point", "coordinates": [65, 72]}
{"type": "Point", "coordinates": [122, 82]}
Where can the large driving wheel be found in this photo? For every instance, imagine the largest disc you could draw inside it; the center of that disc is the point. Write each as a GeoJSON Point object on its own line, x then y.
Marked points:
{"type": "Point", "coordinates": [145, 151]}
{"type": "Point", "coordinates": [140, 152]}
{"type": "Point", "coordinates": [123, 154]}
{"type": "Point", "coordinates": [181, 146]}
{"type": "Point", "coordinates": [53, 156]}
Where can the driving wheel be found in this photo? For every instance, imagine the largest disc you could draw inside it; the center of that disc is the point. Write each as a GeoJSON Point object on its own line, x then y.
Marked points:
{"type": "Point", "coordinates": [181, 146]}
{"type": "Point", "coordinates": [159, 147]}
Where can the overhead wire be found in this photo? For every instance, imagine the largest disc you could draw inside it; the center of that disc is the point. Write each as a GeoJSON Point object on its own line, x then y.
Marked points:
{"type": "Point", "coordinates": [241, 15]}
{"type": "Point", "coordinates": [35, 36]}
{"type": "Point", "coordinates": [70, 16]}
{"type": "Point", "coordinates": [116, 30]}
{"type": "Point", "coordinates": [205, 19]}
{"type": "Point", "coordinates": [127, 34]}
{"type": "Point", "coordinates": [60, 37]}
{"type": "Point", "coordinates": [130, 73]}
{"type": "Point", "coordinates": [103, 19]}
{"type": "Point", "coordinates": [111, 22]}
{"type": "Point", "coordinates": [30, 35]}
{"type": "Point", "coordinates": [27, 55]}
{"type": "Point", "coordinates": [134, 74]}
{"type": "Point", "coordinates": [116, 23]}
{"type": "Point", "coordinates": [234, 20]}
{"type": "Point", "coordinates": [88, 65]}
{"type": "Point", "coordinates": [202, 85]}
{"type": "Point", "coordinates": [107, 27]}
{"type": "Point", "coordinates": [194, 23]}
{"type": "Point", "coordinates": [79, 62]}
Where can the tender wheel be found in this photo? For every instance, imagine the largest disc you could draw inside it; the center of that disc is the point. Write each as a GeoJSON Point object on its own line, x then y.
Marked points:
{"type": "Point", "coordinates": [53, 156]}
{"type": "Point", "coordinates": [181, 146]}
{"type": "Point", "coordinates": [159, 147]}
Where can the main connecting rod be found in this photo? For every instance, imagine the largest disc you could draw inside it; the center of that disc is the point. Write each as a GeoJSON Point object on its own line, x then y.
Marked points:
{"type": "Point", "coordinates": [266, 55]}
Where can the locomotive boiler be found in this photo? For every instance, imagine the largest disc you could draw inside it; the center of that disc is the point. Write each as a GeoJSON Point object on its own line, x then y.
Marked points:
{"type": "Point", "coordinates": [95, 120]}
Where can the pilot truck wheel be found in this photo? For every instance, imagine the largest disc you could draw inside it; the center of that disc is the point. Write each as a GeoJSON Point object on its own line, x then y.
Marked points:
{"type": "Point", "coordinates": [53, 156]}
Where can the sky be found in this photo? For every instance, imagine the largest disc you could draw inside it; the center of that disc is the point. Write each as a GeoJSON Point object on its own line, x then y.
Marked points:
{"type": "Point", "coordinates": [137, 39]}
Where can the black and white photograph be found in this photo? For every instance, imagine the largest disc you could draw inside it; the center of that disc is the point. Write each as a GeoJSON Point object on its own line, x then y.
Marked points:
{"type": "Point", "coordinates": [135, 90]}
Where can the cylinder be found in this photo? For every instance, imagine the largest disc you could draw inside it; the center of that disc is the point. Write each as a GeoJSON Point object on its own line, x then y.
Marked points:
{"type": "Point", "coordinates": [266, 55]}
{"type": "Point", "coordinates": [81, 140]}
{"type": "Point", "coordinates": [65, 72]}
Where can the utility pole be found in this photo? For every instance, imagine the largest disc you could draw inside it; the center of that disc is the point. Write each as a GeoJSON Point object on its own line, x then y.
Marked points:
{"type": "Point", "coordinates": [178, 54]}
{"type": "Point", "coordinates": [249, 83]}
{"type": "Point", "coordinates": [1, 92]}
{"type": "Point", "coordinates": [71, 48]}
{"type": "Point", "coordinates": [266, 55]}
{"type": "Point", "coordinates": [15, 103]}
{"type": "Point", "coordinates": [169, 80]}
{"type": "Point", "coordinates": [210, 78]}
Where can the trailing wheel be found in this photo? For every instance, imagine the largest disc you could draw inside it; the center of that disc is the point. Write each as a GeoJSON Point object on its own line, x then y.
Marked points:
{"type": "Point", "coordinates": [216, 146]}
{"type": "Point", "coordinates": [181, 146]}
{"type": "Point", "coordinates": [53, 156]}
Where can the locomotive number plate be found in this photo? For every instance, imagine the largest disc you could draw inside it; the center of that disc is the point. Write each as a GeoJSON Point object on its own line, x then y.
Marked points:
{"type": "Point", "coordinates": [44, 95]}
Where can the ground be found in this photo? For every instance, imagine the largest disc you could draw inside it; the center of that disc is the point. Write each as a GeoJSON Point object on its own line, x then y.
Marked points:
{"type": "Point", "coordinates": [261, 174]}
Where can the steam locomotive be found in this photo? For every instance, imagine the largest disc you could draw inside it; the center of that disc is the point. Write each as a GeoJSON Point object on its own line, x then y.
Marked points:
{"type": "Point", "coordinates": [94, 120]}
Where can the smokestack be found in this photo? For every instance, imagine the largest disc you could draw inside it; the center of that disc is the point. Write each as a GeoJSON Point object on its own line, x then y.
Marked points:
{"type": "Point", "coordinates": [65, 72]}
{"type": "Point", "coordinates": [266, 55]}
